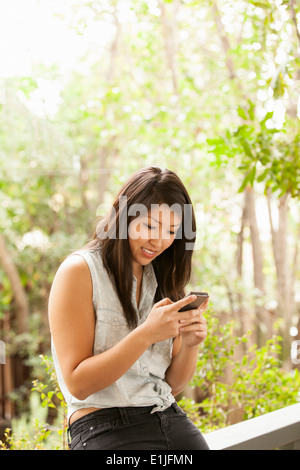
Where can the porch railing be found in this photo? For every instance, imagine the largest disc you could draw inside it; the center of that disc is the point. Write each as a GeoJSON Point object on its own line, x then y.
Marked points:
{"type": "Point", "coordinates": [279, 429]}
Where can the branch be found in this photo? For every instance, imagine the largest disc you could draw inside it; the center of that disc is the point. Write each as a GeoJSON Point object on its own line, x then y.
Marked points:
{"type": "Point", "coordinates": [169, 33]}
{"type": "Point", "coordinates": [294, 18]}
{"type": "Point", "coordinates": [114, 48]}
{"type": "Point", "coordinates": [224, 40]}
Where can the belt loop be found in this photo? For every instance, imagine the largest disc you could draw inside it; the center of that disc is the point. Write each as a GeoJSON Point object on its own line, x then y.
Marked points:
{"type": "Point", "coordinates": [175, 406]}
{"type": "Point", "coordinates": [124, 415]}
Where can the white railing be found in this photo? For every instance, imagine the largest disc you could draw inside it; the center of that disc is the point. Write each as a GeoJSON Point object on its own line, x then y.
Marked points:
{"type": "Point", "coordinates": [276, 430]}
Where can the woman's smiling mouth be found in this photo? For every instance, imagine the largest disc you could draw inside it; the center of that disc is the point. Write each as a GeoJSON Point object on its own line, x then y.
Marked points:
{"type": "Point", "coordinates": [148, 253]}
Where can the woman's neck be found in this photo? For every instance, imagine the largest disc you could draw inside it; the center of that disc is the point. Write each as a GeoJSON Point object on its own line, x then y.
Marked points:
{"type": "Point", "coordinates": [137, 271]}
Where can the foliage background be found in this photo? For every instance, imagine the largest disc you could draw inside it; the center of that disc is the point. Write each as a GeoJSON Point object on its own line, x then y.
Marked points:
{"type": "Point", "coordinates": [93, 90]}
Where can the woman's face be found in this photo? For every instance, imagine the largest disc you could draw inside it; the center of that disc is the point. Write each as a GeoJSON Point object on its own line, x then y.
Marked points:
{"type": "Point", "coordinates": [151, 234]}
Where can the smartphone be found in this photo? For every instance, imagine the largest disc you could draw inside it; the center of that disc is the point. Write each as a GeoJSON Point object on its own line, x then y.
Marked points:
{"type": "Point", "coordinates": [201, 297]}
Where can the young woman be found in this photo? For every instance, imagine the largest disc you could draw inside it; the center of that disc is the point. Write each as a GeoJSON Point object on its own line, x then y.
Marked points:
{"type": "Point", "coordinates": [121, 346]}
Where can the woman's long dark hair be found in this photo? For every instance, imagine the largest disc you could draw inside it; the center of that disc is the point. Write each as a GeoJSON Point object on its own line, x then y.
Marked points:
{"type": "Point", "coordinates": [151, 185]}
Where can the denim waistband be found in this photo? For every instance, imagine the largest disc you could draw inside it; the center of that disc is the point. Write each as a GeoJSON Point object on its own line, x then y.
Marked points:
{"type": "Point", "coordinates": [124, 414]}
{"type": "Point", "coordinates": [105, 414]}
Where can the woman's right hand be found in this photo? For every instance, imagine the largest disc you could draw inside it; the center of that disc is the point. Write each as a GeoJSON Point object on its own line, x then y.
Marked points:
{"type": "Point", "coordinates": [163, 321]}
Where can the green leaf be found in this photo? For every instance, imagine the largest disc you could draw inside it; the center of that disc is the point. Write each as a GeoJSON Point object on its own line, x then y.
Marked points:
{"type": "Point", "coordinates": [251, 110]}
{"type": "Point", "coordinates": [268, 116]}
{"type": "Point", "coordinates": [261, 5]}
{"type": "Point", "coordinates": [247, 149]}
{"type": "Point", "coordinates": [249, 178]}
{"type": "Point", "coordinates": [242, 113]}
{"type": "Point", "coordinates": [252, 175]}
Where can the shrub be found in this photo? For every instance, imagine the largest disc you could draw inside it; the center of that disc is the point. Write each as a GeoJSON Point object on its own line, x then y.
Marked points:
{"type": "Point", "coordinates": [31, 431]}
{"type": "Point", "coordinates": [244, 384]}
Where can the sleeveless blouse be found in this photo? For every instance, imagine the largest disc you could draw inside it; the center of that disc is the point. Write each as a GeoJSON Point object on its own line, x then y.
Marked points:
{"type": "Point", "coordinates": [144, 383]}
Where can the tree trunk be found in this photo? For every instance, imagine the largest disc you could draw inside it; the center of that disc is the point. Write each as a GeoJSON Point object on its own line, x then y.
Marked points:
{"type": "Point", "coordinates": [263, 317]}
{"type": "Point", "coordinates": [110, 74]}
{"type": "Point", "coordinates": [168, 26]}
{"type": "Point", "coordinates": [280, 253]}
{"type": "Point", "coordinates": [243, 317]}
{"type": "Point", "coordinates": [255, 240]}
{"type": "Point", "coordinates": [19, 294]}
{"type": "Point", "coordinates": [7, 383]}
{"type": "Point", "coordinates": [15, 372]}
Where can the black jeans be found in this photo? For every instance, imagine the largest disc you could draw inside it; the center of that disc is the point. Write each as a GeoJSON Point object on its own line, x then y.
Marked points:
{"type": "Point", "coordinates": [135, 428]}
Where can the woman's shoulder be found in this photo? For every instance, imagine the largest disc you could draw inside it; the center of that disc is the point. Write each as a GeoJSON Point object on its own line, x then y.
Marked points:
{"type": "Point", "coordinates": [73, 268]}
{"type": "Point", "coordinates": [71, 290]}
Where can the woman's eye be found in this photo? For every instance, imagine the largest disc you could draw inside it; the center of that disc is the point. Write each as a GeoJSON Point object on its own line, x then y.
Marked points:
{"type": "Point", "coordinates": [152, 227]}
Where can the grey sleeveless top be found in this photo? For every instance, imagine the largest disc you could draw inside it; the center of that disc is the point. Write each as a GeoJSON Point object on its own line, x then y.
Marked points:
{"type": "Point", "coordinates": [144, 383]}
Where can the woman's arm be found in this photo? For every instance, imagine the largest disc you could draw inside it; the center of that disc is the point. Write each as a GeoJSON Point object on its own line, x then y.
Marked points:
{"type": "Point", "coordinates": [72, 324]}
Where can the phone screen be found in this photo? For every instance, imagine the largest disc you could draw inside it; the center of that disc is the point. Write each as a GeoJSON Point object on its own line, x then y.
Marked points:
{"type": "Point", "coordinates": [201, 297]}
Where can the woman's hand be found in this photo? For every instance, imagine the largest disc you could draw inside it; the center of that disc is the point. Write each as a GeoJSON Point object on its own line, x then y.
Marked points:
{"type": "Point", "coordinates": [165, 320]}
{"type": "Point", "coordinates": [194, 333]}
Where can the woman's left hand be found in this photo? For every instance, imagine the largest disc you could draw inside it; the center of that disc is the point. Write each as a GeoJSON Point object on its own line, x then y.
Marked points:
{"type": "Point", "coordinates": [194, 333]}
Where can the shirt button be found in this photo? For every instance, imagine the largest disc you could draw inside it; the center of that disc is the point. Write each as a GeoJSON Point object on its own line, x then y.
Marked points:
{"type": "Point", "coordinates": [145, 369]}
